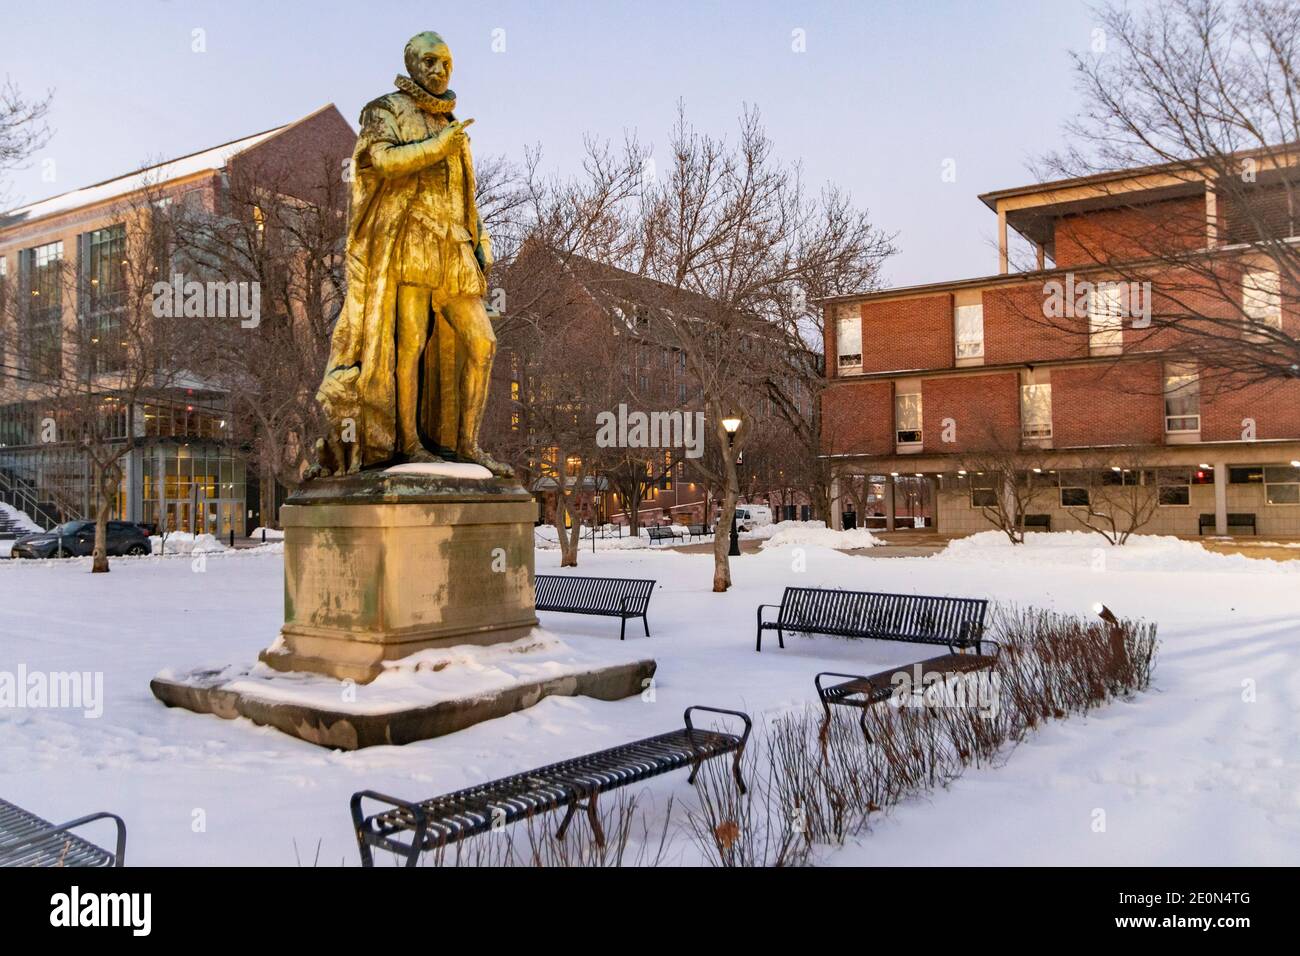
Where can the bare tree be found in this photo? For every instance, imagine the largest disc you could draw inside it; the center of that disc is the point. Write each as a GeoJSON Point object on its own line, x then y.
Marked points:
{"type": "Point", "coordinates": [1122, 495]}
{"type": "Point", "coordinates": [1203, 97]}
{"type": "Point", "coordinates": [1005, 484]}
{"type": "Point", "coordinates": [23, 129]}
{"type": "Point", "coordinates": [733, 242]}
{"type": "Point", "coordinates": [284, 233]}
{"type": "Point", "coordinates": [126, 353]}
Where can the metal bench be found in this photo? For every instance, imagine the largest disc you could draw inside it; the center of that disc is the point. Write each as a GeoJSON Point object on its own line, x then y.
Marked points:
{"type": "Point", "coordinates": [574, 784]}
{"type": "Point", "coordinates": [27, 840]}
{"type": "Point", "coordinates": [662, 533]}
{"type": "Point", "coordinates": [609, 597]}
{"type": "Point", "coordinates": [1235, 520]}
{"type": "Point", "coordinates": [699, 531]}
{"type": "Point", "coordinates": [865, 692]}
{"type": "Point", "coordinates": [918, 619]}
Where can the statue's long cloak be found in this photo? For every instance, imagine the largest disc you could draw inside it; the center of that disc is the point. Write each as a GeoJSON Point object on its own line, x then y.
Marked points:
{"type": "Point", "coordinates": [365, 334]}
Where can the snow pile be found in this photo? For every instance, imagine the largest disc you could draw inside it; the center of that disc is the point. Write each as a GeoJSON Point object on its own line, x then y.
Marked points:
{"type": "Point", "coordinates": [272, 534]}
{"type": "Point", "coordinates": [822, 537]}
{"type": "Point", "coordinates": [21, 520]}
{"type": "Point", "coordinates": [431, 676]}
{"type": "Point", "coordinates": [1086, 550]}
{"type": "Point", "coordinates": [765, 531]}
{"type": "Point", "coordinates": [182, 542]}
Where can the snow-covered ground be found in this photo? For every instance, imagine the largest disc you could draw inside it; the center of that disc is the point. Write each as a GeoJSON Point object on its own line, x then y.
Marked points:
{"type": "Point", "coordinates": [1202, 769]}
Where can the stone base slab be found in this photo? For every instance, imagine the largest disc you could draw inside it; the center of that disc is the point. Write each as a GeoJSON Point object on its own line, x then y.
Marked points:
{"type": "Point", "coordinates": [215, 692]}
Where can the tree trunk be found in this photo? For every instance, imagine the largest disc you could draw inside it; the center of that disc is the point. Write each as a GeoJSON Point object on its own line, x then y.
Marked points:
{"type": "Point", "coordinates": [106, 478]}
{"type": "Point", "coordinates": [266, 497]}
{"type": "Point", "coordinates": [568, 538]}
{"type": "Point", "coordinates": [722, 537]}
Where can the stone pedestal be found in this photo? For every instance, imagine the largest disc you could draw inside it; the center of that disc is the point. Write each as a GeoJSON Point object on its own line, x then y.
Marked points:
{"type": "Point", "coordinates": [382, 564]}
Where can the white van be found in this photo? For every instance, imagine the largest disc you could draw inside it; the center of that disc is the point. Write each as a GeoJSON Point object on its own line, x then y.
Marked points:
{"type": "Point", "coordinates": [749, 517]}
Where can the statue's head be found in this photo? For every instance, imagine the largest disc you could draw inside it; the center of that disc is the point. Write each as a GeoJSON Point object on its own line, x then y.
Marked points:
{"type": "Point", "coordinates": [428, 61]}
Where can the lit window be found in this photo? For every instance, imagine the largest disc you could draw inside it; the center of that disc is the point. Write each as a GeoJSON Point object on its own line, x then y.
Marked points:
{"type": "Point", "coordinates": [1182, 399]}
{"type": "Point", "coordinates": [969, 321]}
{"type": "Point", "coordinates": [1261, 298]}
{"type": "Point", "coordinates": [1036, 411]}
{"type": "Point", "coordinates": [907, 418]}
{"type": "Point", "coordinates": [1106, 318]}
{"type": "Point", "coordinates": [848, 340]}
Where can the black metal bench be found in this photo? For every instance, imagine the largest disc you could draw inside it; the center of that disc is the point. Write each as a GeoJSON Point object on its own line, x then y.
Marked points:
{"type": "Point", "coordinates": [1241, 519]}
{"type": "Point", "coordinates": [1038, 521]}
{"type": "Point", "coordinates": [699, 530]}
{"type": "Point", "coordinates": [27, 840]}
{"type": "Point", "coordinates": [865, 692]}
{"type": "Point", "coordinates": [662, 533]}
{"type": "Point", "coordinates": [918, 619]}
{"type": "Point", "coordinates": [574, 784]}
{"type": "Point", "coordinates": [609, 597]}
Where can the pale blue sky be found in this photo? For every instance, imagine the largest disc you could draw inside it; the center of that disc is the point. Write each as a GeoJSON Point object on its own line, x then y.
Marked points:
{"type": "Point", "coordinates": [885, 92]}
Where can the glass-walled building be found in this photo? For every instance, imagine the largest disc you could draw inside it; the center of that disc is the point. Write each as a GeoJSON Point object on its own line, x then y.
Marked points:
{"type": "Point", "coordinates": [184, 473]}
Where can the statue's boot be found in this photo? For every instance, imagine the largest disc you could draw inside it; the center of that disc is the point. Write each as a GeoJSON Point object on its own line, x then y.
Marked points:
{"type": "Point", "coordinates": [479, 456]}
{"type": "Point", "coordinates": [422, 456]}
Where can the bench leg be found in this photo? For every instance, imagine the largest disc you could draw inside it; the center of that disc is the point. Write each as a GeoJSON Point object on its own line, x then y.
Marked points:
{"type": "Point", "coordinates": [735, 771]}
{"type": "Point", "coordinates": [758, 644]}
{"type": "Point", "coordinates": [593, 818]}
{"type": "Point", "coordinates": [695, 769]}
{"type": "Point", "coordinates": [645, 621]}
{"type": "Point", "coordinates": [622, 628]}
{"type": "Point", "coordinates": [780, 638]}
{"type": "Point", "coordinates": [564, 824]}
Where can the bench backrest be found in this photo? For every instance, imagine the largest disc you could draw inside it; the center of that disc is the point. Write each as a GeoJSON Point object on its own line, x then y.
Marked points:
{"type": "Point", "coordinates": [554, 592]}
{"type": "Point", "coordinates": [661, 532]}
{"type": "Point", "coordinates": [908, 617]}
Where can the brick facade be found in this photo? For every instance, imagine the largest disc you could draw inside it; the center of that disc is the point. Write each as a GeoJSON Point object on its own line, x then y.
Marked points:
{"type": "Point", "coordinates": [1109, 404]}
{"type": "Point", "coordinates": [910, 333]}
{"type": "Point", "coordinates": [970, 409]}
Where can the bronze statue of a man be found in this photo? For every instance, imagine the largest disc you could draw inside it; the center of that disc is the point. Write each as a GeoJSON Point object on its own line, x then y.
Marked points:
{"type": "Point", "coordinates": [411, 355]}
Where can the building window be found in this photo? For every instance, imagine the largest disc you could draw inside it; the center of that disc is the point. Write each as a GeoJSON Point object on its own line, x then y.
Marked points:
{"type": "Point", "coordinates": [102, 261]}
{"type": "Point", "coordinates": [907, 418]}
{"type": "Point", "coordinates": [848, 342]}
{"type": "Point", "coordinates": [1074, 489]}
{"type": "Point", "coordinates": [1282, 485]}
{"type": "Point", "coordinates": [1261, 298]}
{"type": "Point", "coordinates": [43, 331]}
{"type": "Point", "coordinates": [1174, 486]}
{"type": "Point", "coordinates": [1182, 399]}
{"type": "Point", "coordinates": [681, 393]}
{"type": "Point", "coordinates": [1036, 411]}
{"type": "Point", "coordinates": [982, 492]}
{"type": "Point", "coordinates": [1106, 318]}
{"type": "Point", "coordinates": [969, 322]}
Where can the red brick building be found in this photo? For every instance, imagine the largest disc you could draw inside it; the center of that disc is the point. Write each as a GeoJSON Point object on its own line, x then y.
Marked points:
{"type": "Point", "coordinates": [924, 380]}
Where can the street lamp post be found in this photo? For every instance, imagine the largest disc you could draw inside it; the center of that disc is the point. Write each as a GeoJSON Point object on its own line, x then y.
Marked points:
{"type": "Point", "coordinates": [732, 425]}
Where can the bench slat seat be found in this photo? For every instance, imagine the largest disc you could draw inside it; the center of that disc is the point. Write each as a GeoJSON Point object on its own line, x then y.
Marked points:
{"type": "Point", "coordinates": [919, 619]}
{"type": "Point", "coordinates": [623, 598]}
{"type": "Point", "coordinates": [29, 840]}
{"type": "Point", "coordinates": [865, 692]}
{"type": "Point", "coordinates": [464, 813]}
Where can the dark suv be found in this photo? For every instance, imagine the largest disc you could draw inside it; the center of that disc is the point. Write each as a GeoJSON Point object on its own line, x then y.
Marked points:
{"type": "Point", "coordinates": [76, 538]}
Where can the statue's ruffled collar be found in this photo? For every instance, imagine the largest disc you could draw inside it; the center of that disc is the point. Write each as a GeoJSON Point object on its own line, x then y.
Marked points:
{"type": "Point", "coordinates": [429, 102]}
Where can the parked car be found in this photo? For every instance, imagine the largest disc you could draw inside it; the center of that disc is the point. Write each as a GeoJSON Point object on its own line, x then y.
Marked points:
{"type": "Point", "coordinates": [76, 538]}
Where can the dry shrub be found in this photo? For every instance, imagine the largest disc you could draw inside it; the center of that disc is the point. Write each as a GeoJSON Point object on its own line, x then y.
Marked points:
{"type": "Point", "coordinates": [822, 785]}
